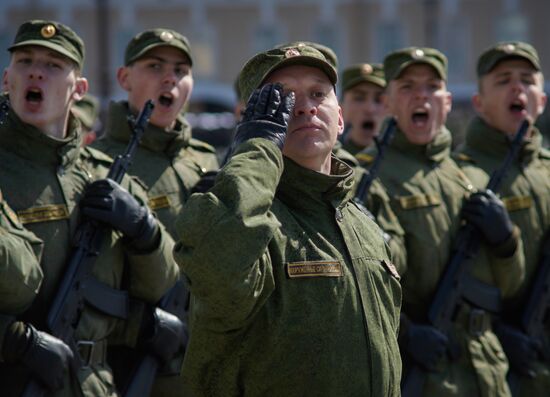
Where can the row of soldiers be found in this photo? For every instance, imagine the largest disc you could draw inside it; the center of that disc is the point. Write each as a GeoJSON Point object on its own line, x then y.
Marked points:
{"type": "Point", "coordinates": [292, 287]}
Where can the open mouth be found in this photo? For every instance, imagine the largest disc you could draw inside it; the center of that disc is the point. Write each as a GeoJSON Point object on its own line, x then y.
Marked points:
{"type": "Point", "coordinates": [368, 125]}
{"type": "Point", "coordinates": [166, 100]}
{"type": "Point", "coordinates": [517, 107]}
{"type": "Point", "coordinates": [420, 117]}
{"type": "Point", "coordinates": [34, 95]}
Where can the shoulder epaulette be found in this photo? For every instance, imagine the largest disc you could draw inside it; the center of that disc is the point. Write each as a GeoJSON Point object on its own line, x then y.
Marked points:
{"type": "Point", "coordinates": [202, 146]}
{"type": "Point", "coordinates": [95, 154]}
{"type": "Point", "coordinates": [364, 157]}
{"type": "Point", "coordinates": [463, 157]}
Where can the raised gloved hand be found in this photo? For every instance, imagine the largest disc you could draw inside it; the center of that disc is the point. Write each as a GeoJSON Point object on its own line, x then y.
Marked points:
{"type": "Point", "coordinates": [45, 356]}
{"type": "Point", "coordinates": [205, 183]}
{"type": "Point", "coordinates": [266, 116]}
{"type": "Point", "coordinates": [162, 334]}
{"type": "Point", "coordinates": [521, 350]}
{"type": "Point", "coordinates": [486, 211]}
{"type": "Point", "coordinates": [426, 345]}
{"type": "Point", "coordinates": [106, 201]}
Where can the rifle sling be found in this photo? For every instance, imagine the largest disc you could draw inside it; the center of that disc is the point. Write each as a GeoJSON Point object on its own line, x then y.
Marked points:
{"type": "Point", "coordinates": [481, 295]}
{"type": "Point", "coordinates": [106, 299]}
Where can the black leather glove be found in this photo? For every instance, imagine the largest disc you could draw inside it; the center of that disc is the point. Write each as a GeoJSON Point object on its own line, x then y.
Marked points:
{"type": "Point", "coordinates": [521, 350]}
{"type": "Point", "coordinates": [426, 345]}
{"type": "Point", "coordinates": [486, 211]}
{"type": "Point", "coordinates": [266, 116]}
{"type": "Point", "coordinates": [45, 356]}
{"type": "Point", "coordinates": [106, 201]}
{"type": "Point", "coordinates": [162, 334]}
{"type": "Point", "coordinates": [205, 183]}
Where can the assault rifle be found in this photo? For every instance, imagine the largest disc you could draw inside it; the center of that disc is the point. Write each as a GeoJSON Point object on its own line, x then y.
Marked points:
{"type": "Point", "coordinates": [175, 302]}
{"type": "Point", "coordinates": [535, 313]}
{"type": "Point", "coordinates": [368, 177]}
{"type": "Point", "coordinates": [77, 284]}
{"type": "Point", "coordinates": [450, 290]}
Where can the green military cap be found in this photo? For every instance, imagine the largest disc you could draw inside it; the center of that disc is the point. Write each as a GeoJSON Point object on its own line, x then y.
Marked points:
{"type": "Point", "coordinates": [256, 70]}
{"type": "Point", "coordinates": [149, 39]}
{"type": "Point", "coordinates": [399, 60]}
{"type": "Point", "coordinates": [86, 110]}
{"type": "Point", "coordinates": [504, 50]}
{"type": "Point", "coordinates": [328, 52]}
{"type": "Point", "coordinates": [363, 73]}
{"type": "Point", "coordinates": [52, 35]}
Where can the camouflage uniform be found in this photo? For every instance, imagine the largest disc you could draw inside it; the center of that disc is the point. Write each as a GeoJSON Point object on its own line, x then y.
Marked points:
{"type": "Point", "coordinates": [292, 240]}
{"type": "Point", "coordinates": [21, 274]}
{"type": "Point", "coordinates": [426, 190]}
{"type": "Point", "coordinates": [170, 163]}
{"type": "Point", "coordinates": [525, 194]}
{"type": "Point", "coordinates": [250, 303]}
{"type": "Point", "coordinates": [525, 189]}
{"type": "Point", "coordinates": [44, 179]}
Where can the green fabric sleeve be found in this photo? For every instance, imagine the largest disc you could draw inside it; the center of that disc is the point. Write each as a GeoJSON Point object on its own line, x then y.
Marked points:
{"type": "Point", "coordinates": [224, 235]}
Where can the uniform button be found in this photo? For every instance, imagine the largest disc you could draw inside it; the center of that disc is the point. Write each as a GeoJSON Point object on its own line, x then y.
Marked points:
{"type": "Point", "coordinates": [339, 215]}
{"type": "Point", "coordinates": [61, 170]}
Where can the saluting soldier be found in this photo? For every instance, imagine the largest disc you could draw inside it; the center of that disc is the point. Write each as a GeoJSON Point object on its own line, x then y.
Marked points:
{"type": "Point", "coordinates": [510, 90]}
{"type": "Point", "coordinates": [51, 181]}
{"type": "Point", "coordinates": [427, 191]}
{"type": "Point", "coordinates": [300, 262]}
{"type": "Point", "coordinates": [362, 88]}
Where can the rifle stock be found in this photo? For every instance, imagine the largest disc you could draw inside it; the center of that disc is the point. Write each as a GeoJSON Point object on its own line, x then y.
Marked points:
{"type": "Point", "coordinates": [65, 312]}
{"type": "Point", "coordinates": [175, 302]}
{"type": "Point", "coordinates": [449, 293]}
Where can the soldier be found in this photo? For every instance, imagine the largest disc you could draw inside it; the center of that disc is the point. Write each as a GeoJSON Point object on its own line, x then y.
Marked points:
{"type": "Point", "coordinates": [86, 110]}
{"type": "Point", "coordinates": [158, 64]}
{"type": "Point", "coordinates": [510, 89]}
{"type": "Point", "coordinates": [301, 262]}
{"type": "Point", "coordinates": [427, 189]}
{"type": "Point", "coordinates": [48, 179]}
{"type": "Point", "coordinates": [362, 88]}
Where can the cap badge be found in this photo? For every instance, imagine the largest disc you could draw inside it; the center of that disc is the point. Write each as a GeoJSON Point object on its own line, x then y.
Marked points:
{"type": "Point", "coordinates": [292, 52]}
{"type": "Point", "coordinates": [366, 69]}
{"type": "Point", "coordinates": [418, 53]}
{"type": "Point", "coordinates": [509, 48]}
{"type": "Point", "coordinates": [166, 36]}
{"type": "Point", "coordinates": [47, 31]}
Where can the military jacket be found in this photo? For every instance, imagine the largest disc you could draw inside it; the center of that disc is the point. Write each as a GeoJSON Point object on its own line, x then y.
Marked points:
{"type": "Point", "coordinates": [169, 162]}
{"type": "Point", "coordinates": [376, 201]}
{"type": "Point", "coordinates": [526, 194]}
{"type": "Point", "coordinates": [426, 190]}
{"type": "Point", "coordinates": [20, 272]}
{"type": "Point", "coordinates": [294, 293]}
{"type": "Point", "coordinates": [43, 179]}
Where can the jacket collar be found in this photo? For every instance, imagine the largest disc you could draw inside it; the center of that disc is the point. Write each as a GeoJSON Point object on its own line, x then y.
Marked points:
{"type": "Point", "coordinates": [482, 137]}
{"type": "Point", "coordinates": [303, 188]}
{"type": "Point", "coordinates": [437, 150]}
{"type": "Point", "coordinates": [154, 138]}
{"type": "Point", "coordinates": [30, 143]}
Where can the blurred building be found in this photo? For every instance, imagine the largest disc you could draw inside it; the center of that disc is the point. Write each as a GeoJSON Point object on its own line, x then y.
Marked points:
{"type": "Point", "coordinates": [225, 33]}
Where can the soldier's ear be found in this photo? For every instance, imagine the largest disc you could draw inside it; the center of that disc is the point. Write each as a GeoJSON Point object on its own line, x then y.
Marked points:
{"type": "Point", "coordinates": [81, 88]}
{"type": "Point", "coordinates": [477, 102]}
{"type": "Point", "coordinates": [122, 77]}
{"type": "Point", "coordinates": [340, 121]}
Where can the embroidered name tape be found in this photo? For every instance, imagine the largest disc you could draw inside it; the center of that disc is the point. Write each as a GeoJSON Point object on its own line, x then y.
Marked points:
{"type": "Point", "coordinates": [314, 269]}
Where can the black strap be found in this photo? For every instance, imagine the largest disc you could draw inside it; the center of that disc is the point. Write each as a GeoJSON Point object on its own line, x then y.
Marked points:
{"type": "Point", "coordinates": [106, 299]}
{"type": "Point", "coordinates": [482, 295]}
